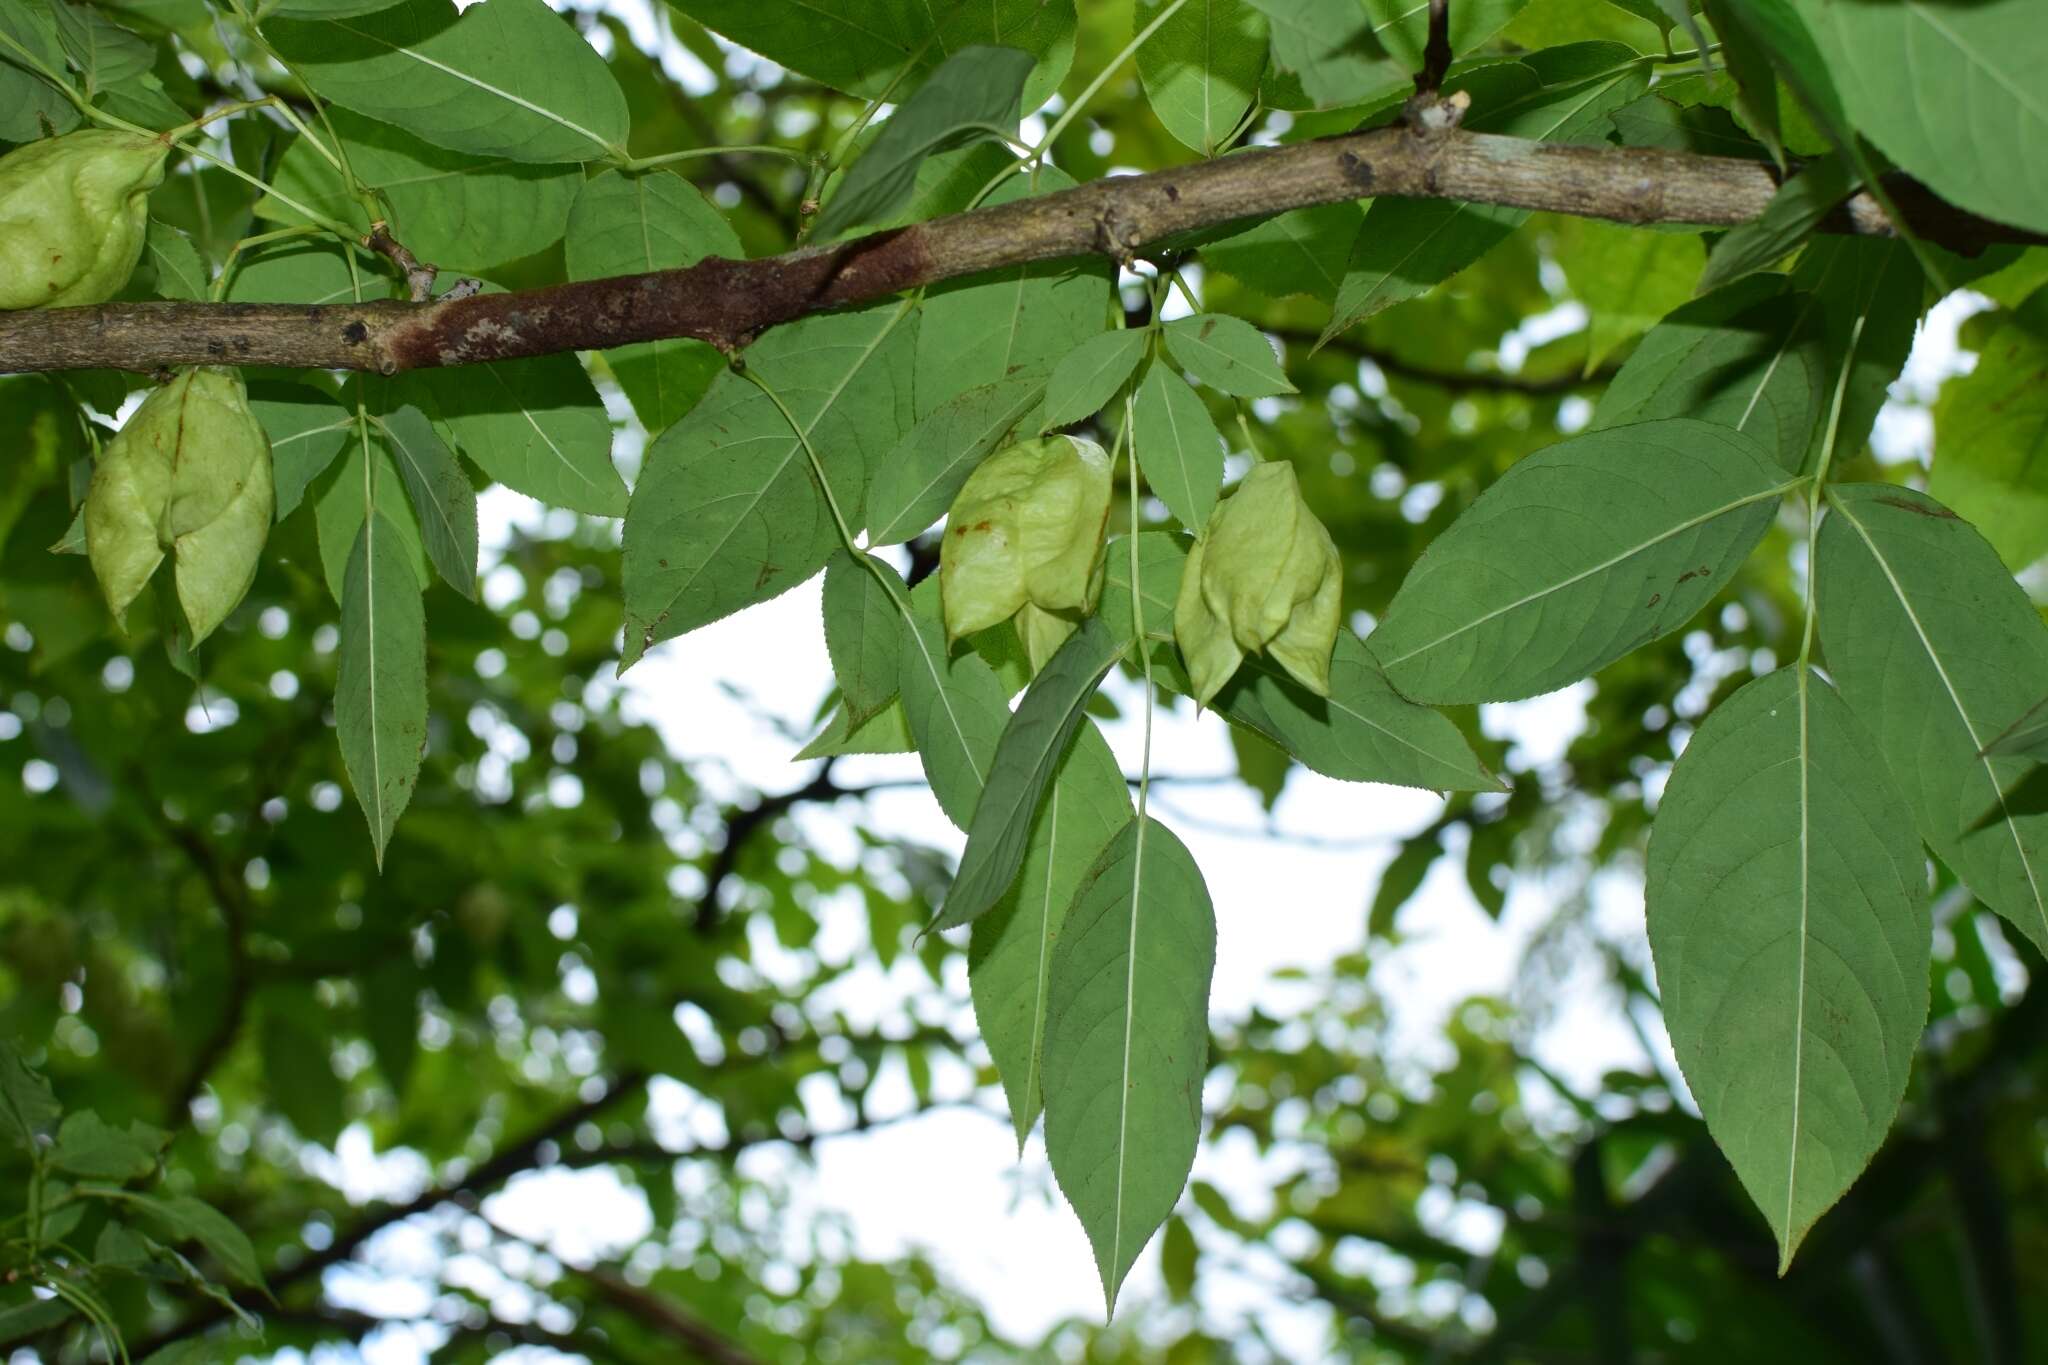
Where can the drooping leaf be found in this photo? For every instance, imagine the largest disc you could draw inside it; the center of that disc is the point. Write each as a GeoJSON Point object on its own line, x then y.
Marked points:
{"type": "Point", "coordinates": [1127, 1041]}
{"type": "Point", "coordinates": [307, 429]}
{"type": "Point", "coordinates": [1228, 354]}
{"type": "Point", "coordinates": [973, 94]}
{"type": "Point", "coordinates": [956, 708]}
{"type": "Point", "coordinates": [1750, 356]}
{"type": "Point", "coordinates": [380, 691]}
{"type": "Point", "coordinates": [1991, 437]}
{"type": "Point", "coordinates": [1328, 53]}
{"type": "Point", "coordinates": [1975, 138]}
{"type": "Point", "coordinates": [1869, 293]}
{"type": "Point", "coordinates": [863, 635]}
{"type": "Point", "coordinates": [728, 512]}
{"type": "Point", "coordinates": [1009, 956]}
{"type": "Point", "coordinates": [1788, 916]}
{"type": "Point", "coordinates": [1178, 446]}
{"type": "Point", "coordinates": [1577, 555]}
{"type": "Point", "coordinates": [1937, 650]}
{"type": "Point", "coordinates": [509, 78]}
{"type": "Point", "coordinates": [628, 225]}
{"type": "Point", "coordinates": [1015, 323]}
{"type": "Point", "coordinates": [537, 426]}
{"type": "Point", "coordinates": [457, 210]}
{"type": "Point", "coordinates": [1201, 68]}
{"type": "Point", "coordinates": [100, 50]}
{"type": "Point", "coordinates": [172, 264]}
{"type": "Point", "coordinates": [915, 482]}
{"type": "Point", "coordinates": [1791, 216]}
{"type": "Point", "coordinates": [885, 732]}
{"type": "Point", "coordinates": [442, 498]}
{"type": "Point", "coordinates": [1088, 376]}
{"type": "Point", "coordinates": [1032, 746]}
{"type": "Point", "coordinates": [341, 496]}
{"type": "Point", "coordinates": [1756, 82]}
{"type": "Point", "coordinates": [866, 47]}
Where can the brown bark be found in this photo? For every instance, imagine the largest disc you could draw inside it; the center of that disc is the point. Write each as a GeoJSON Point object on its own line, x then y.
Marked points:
{"type": "Point", "coordinates": [728, 303]}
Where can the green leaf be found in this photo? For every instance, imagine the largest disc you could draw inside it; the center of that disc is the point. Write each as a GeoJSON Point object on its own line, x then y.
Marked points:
{"type": "Point", "coordinates": [885, 732]}
{"type": "Point", "coordinates": [1976, 133]}
{"type": "Point", "coordinates": [295, 272]}
{"type": "Point", "coordinates": [441, 495]}
{"type": "Point", "coordinates": [184, 1218]}
{"type": "Point", "coordinates": [456, 210]}
{"type": "Point", "coordinates": [974, 93]}
{"type": "Point", "coordinates": [956, 708]}
{"type": "Point", "coordinates": [1009, 956]}
{"type": "Point", "coordinates": [1127, 1041]}
{"type": "Point", "coordinates": [1228, 354]}
{"type": "Point", "coordinates": [728, 512]}
{"type": "Point", "coordinates": [1991, 437]}
{"type": "Point", "coordinates": [1869, 291]}
{"type": "Point", "coordinates": [298, 1073]}
{"type": "Point", "coordinates": [339, 503]}
{"type": "Point", "coordinates": [864, 47]}
{"type": "Point", "coordinates": [172, 263]}
{"type": "Point", "coordinates": [1088, 376]}
{"type": "Point", "coordinates": [1938, 651]}
{"type": "Point", "coordinates": [307, 429]}
{"type": "Point", "coordinates": [1201, 68]}
{"type": "Point", "coordinates": [1009, 324]}
{"type": "Point", "coordinates": [1178, 446]}
{"type": "Point", "coordinates": [88, 1146]}
{"type": "Point", "coordinates": [915, 482]}
{"type": "Point", "coordinates": [1756, 82]}
{"type": "Point", "coordinates": [1788, 917]}
{"type": "Point", "coordinates": [1302, 251]}
{"type": "Point", "coordinates": [31, 106]}
{"type": "Point", "coordinates": [537, 426]}
{"type": "Point", "coordinates": [1032, 745]}
{"type": "Point", "coordinates": [2026, 737]}
{"type": "Point", "coordinates": [1750, 356]}
{"type": "Point", "coordinates": [1789, 219]}
{"type": "Point", "coordinates": [1362, 732]}
{"type": "Point", "coordinates": [100, 51]}
{"type": "Point", "coordinates": [1400, 880]}
{"type": "Point", "coordinates": [863, 635]}
{"type": "Point", "coordinates": [25, 1097]}
{"type": "Point", "coordinates": [1577, 555]}
{"type": "Point", "coordinates": [1328, 53]}
{"type": "Point", "coordinates": [1408, 246]}
{"type": "Point", "coordinates": [628, 225]}
{"type": "Point", "coordinates": [380, 690]}
{"type": "Point", "coordinates": [1331, 47]}
{"type": "Point", "coordinates": [1628, 278]}
{"type": "Point", "coordinates": [509, 78]}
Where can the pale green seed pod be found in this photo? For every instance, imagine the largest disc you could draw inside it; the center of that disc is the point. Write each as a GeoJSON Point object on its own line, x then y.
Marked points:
{"type": "Point", "coordinates": [1024, 539]}
{"type": "Point", "coordinates": [73, 213]}
{"type": "Point", "coordinates": [1263, 577]}
{"type": "Point", "coordinates": [188, 476]}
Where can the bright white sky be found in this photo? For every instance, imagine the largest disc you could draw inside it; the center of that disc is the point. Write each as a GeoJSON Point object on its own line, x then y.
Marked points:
{"type": "Point", "coordinates": [1289, 894]}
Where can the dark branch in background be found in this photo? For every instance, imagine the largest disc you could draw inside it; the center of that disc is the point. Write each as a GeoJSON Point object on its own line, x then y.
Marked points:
{"type": "Point", "coordinates": [741, 825]}
{"type": "Point", "coordinates": [728, 303]}
{"type": "Point", "coordinates": [1469, 381]}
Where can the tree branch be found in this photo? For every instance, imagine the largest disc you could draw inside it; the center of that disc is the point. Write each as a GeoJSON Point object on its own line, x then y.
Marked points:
{"type": "Point", "coordinates": [728, 303]}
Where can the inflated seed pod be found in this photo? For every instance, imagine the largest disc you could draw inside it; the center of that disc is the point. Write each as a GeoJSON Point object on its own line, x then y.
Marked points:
{"type": "Point", "coordinates": [73, 213]}
{"type": "Point", "coordinates": [1264, 577]}
{"type": "Point", "coordinates": [1024, 539]}
{"type": "Point", "coordinates": [189, 476]}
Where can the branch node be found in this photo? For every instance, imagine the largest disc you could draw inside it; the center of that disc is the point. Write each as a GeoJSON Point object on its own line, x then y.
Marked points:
{"type": "Point", "coordinates": [419, 277]}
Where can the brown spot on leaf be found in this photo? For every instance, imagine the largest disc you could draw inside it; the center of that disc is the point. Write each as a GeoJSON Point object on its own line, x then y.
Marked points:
{"type": "Point", "coordinates": [1655, 598]}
